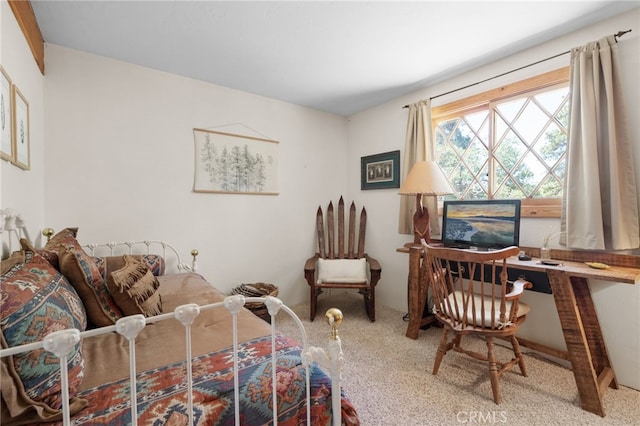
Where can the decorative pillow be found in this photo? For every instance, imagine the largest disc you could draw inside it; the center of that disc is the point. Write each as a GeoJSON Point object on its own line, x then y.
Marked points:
{"type": "Point", "coordinates": [105, 265]}
{"type": "Point", "coordinates": [63, 238]}
{"type": "Point", "coordinates": [155, 263]}
{"type": "Point", "coordinates": [101, 264]}
{"type": "Point", "coordinates": [35, 300]}
{"type": "Point", "coordinates": [85, 277]}
{"type": "Point", "coordinates": [135, 288]}
{"type": "Point", "coordinates": [50, 255]}
{"type": "Point", "coordinates": [83, 274]}
{"type": "Point", "coordinates": [342, 271]}
{"type": "Point", "coordinates": [16, 257]}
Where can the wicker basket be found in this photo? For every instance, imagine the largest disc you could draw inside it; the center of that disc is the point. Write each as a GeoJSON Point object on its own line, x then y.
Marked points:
{"type": "Point", "coordinates": [257, 290]}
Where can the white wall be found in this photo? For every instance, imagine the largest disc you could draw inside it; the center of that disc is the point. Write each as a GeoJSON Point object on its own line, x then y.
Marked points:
{"type": "Point", "coordinates": [20, 189]}
{"type": "Point", "coordinates": [383, 128]}
{"type": "Point", "coordinates": [120, 161]}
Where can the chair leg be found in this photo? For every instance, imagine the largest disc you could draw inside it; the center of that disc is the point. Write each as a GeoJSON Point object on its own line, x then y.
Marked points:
{"type": "Point", "coordinates": [442, 349]}
{"type": "Point", "coordinates": [457, 341]}
{"type": "Point", "coordinates": [371, 302]}
{"type": "Point", "coordinates": [365, 298]}
{"type": "Point", "coordinates": [493, 371]}
{"type": "Point", "coordinates": [313, 302]}
{"type": "Point", "coordinates": [518, 353]}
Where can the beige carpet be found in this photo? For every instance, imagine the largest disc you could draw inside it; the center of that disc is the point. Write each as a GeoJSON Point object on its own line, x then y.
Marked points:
{"type": "Point", "coordinates": [388, 377]}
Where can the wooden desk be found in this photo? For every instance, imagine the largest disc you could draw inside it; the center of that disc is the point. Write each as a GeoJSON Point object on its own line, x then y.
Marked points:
{"type": "Point", "coordinates": [586, 349]}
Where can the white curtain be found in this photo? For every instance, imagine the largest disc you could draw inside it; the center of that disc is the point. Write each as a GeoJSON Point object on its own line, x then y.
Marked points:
{"type": "Point", "coordinates": [419, 146]}
{"type": "Point", "coordinates": [600, 203]}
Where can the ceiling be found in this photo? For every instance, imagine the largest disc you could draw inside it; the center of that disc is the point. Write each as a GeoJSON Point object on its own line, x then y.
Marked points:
{"type": "Point", "coordinates": [335, 56]}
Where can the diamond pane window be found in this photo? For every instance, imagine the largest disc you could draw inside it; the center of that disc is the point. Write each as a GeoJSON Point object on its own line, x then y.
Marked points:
{"type": "Point", "coordinates": [530, 123]}
{"type": "Point", "coordinates": [507, 146]}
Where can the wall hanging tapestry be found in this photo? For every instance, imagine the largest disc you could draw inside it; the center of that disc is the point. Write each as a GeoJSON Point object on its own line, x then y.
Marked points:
{"type": "Point", "coordinates": [235, 164]}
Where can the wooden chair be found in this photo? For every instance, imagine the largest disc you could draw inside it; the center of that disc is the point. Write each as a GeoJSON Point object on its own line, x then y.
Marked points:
{"type": "Point", "coordinates": [343, 266]}
{"type": "Point", "coordinates": [471, 295]}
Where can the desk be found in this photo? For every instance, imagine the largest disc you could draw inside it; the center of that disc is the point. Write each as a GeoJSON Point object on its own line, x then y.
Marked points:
{"type": "Point", "coordinates": [586, 349]}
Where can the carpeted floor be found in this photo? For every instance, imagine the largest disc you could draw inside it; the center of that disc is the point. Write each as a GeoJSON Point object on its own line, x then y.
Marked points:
{"type": "Point", "coordinates": [388, 376]}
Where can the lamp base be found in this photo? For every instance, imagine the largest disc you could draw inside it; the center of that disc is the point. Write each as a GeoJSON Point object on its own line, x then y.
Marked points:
{"type": "Point", "coordinates": [421, 222]}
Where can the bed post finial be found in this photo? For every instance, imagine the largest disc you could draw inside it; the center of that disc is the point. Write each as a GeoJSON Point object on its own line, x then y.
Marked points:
{"type": "Point", "coordinates": [48, 232]}
{"type": "Point", "coordinates": [334, 319]}
{"type": "Point", "coordinates": [194, 263]}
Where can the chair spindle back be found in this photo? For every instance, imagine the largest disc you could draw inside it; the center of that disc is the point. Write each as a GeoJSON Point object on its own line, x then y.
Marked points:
{"type": "Point", "coordinates": [459, 277]}
{"type": "Point", "coordinates": [327, 246]}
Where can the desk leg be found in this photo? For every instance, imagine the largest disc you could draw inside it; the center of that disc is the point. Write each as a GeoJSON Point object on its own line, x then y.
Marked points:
{"type": "Point", "coordinates": [583, 336]}
{"type": "Point", "coordinates": [417, 295]}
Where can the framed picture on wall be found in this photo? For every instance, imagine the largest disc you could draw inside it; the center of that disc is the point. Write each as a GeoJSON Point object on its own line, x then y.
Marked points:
{"type": "Point", "coordinates": [235, 164]}
{"type": "Point", "coordinates": [6, 142]}
{"type": "Point", "coordinates": [380, 171]}
{"type": "Point", "coordinates": [21, 147]}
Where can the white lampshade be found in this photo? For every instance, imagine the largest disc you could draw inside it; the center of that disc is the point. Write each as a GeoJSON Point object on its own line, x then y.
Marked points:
{"type": "Point", "coordinates": [425, 178]}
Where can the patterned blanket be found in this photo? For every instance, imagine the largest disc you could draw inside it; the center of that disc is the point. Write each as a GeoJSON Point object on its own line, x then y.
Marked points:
{"type": "Point", "coordinates": [162, 397]}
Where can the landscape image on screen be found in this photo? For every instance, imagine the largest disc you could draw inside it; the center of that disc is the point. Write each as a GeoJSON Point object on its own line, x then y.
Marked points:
{"type": "Point", "coordinates": [493, 224]}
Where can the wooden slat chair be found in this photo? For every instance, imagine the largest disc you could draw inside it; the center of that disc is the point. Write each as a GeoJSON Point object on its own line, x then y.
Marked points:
{"type": "Point", "coordinates": [342, 267]}
{"type": "Point", "coordinates": [471, 295]}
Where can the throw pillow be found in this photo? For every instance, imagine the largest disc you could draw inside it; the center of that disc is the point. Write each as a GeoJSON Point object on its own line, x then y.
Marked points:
{"type": "Point", "coordinates": [85, 277]}
{"type": "Point", "coordinates": [154, 262]}
{"type": "Point", "coordinates": [16, 257]}
{"type": "Point", "coordinates": [66, 236]}
{"type": "Point", "coordinates": [135, 288]}
{"type": "Point", "coordinates": [50, 255]}
{"type": "Point", "coordinates": [35, 300]}
{"type": "Point", "coordinates": [342, 271]}
{"type": "Point", "coordinates": [83, 274]}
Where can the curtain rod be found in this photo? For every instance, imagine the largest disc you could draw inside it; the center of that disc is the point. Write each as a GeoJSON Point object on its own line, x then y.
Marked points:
{"type": "Point", "coordinates": [616, 36]}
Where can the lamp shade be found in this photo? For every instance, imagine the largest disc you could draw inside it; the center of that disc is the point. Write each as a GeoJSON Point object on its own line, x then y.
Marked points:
{"type": "Point", "coordinates": [425, 178]}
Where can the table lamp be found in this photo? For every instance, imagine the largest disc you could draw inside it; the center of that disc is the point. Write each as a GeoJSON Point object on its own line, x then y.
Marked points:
{"type": "Point", "coordinates": [425, 178]}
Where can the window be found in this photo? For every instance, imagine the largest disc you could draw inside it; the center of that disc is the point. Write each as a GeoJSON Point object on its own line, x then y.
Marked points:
{"type": "Point", "coordinates": [508, 143]}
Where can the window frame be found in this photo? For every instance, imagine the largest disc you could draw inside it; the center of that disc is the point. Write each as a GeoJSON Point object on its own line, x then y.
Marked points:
{"type": "Point", "coordinates": [531, 207]}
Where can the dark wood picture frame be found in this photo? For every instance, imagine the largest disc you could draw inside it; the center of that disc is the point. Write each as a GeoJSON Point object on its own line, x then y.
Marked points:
{"type": "Point", "coordinates": [380, 171]}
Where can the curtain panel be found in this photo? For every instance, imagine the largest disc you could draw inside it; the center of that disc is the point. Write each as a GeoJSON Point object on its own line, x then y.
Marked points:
{"type": "Point", "coordinates": [419, 146]}
{"type": "Point", "coordinates": [600, 202]}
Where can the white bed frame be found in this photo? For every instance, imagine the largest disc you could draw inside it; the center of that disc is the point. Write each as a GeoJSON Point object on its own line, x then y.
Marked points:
{"type": "Point", "coordinates": [60, 343]}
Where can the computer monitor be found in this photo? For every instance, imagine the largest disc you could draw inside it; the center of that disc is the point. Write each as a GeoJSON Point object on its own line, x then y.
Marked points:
{"type": "Point", "coordinates": [481, 224]}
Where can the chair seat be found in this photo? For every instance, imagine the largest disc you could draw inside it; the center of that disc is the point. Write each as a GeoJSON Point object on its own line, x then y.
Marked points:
{"type": "Point", "coordinates": [455, 303]}
{"type": "Point", "coordinates": [340, 271]}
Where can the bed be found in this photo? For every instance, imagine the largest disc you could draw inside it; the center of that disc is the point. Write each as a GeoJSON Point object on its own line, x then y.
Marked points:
{"type": "Point", "coordinates": [170, 341]}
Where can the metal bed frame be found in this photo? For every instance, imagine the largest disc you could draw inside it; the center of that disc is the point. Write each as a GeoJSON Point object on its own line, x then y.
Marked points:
{"type": "Point", "coordinates": [60, 343]}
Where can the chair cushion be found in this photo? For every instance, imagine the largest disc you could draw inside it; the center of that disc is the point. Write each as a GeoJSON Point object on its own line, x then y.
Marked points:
{"type": "Point", "coordinates": [342, 271]}
{"type": "Point", "coordinates": [487, 321]}
{"type": "Point", "coordinates": [135, 288]}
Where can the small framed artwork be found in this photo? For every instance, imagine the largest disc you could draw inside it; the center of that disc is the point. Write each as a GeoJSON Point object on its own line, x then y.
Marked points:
{"type": "Point", "coordinates": [6, 117]}
{"type": "Point", "coordinates": [380, 171]}
{"type": "Point", "coordinates": [20, 130]}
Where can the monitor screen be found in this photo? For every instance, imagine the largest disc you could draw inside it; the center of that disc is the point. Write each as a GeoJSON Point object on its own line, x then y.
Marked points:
{"type": "Point", "coordinates": [482, 224]}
